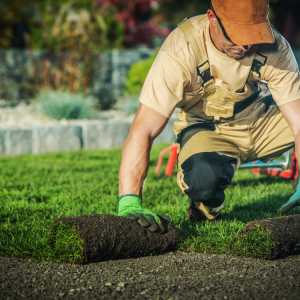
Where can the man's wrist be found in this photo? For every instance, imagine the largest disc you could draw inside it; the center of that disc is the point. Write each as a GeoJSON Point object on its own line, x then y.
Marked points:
{"type": "Point", "coordinates": [129, 195]}
{"type": "Point", "coordinates": [129, 202]}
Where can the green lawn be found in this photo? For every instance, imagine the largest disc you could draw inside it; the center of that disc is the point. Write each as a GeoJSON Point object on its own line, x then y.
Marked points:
{"type": "Point", "coordinates": [35, 190]}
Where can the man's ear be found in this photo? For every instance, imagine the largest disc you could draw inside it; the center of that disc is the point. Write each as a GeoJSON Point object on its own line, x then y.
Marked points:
{"type": "Point", "coordinates": [212, 17]}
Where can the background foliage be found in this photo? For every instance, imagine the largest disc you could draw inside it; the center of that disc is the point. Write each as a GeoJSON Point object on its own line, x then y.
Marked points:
{"type": "Point", "coordinates": [65, 24]}
{"type": "Point", "coordinates": [141, 20]}
{"type": "Point", "coordinates": [137, 75]}
{"type": "Point", "coordinates": [84, 25]}
{"type": "Point", "coordinates": [113, 23]}
{"type": "Point", "coordinates": [12, 14]}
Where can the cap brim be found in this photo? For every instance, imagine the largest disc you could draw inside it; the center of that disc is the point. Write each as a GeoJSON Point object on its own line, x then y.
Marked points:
{"type": "Point", "coordinates": [249, 34]}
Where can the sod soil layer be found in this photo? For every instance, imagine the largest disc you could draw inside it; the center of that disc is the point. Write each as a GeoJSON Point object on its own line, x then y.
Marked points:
{"type": "Point", "coordinates": [170, 276]}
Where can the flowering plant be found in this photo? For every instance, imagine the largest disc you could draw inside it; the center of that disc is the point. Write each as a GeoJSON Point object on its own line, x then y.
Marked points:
{"type": "Point", "coordinates": [140, 27]}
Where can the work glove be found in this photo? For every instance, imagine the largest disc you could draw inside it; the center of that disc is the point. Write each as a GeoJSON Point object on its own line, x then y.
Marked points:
{"type": "Point", "coordinates": [294, 201]}
{"type": "Point", "coordinates": [130, 206]}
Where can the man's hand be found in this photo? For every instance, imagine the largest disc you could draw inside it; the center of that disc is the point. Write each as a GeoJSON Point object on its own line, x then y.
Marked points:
{"type": "Point", "coordinates": [293, 202]}
{"type": "Point", "coordinates": [130, 206]}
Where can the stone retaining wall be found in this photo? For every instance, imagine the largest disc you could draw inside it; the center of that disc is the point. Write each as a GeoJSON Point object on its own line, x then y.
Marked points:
{"type": "Point", "coordinates": [83, 135]}
{"type": "Point", "coordinates": [108, 78]}
{"type": "Point", "coordinates": [19, 68]}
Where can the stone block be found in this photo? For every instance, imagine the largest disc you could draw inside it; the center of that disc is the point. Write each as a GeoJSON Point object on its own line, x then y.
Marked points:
{"type": "Point", "coordinates": [107, 134]}
{"type": "Point", "coordinates": [19, 142]}
{"type": "Point", "coordinates": [2, 142]}
{"type": "Point", "coordinates": [167, 135]}
{"type": "Point", "coordinates": [70, 138]}
{"type": "Point", "coordinates": [112, 134]}
{"type": "Point", "coordinates": [119, 132]}
{"type": "Point", "coordinates": [58, 138]}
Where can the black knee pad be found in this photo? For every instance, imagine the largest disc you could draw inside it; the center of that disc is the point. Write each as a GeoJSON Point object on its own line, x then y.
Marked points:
{"type": "Point", "coordinates": [207, 174]}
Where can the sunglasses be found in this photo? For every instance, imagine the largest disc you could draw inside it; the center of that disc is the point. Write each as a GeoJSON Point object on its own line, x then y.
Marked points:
{"type": "Point", "coordinates": [221, 25]}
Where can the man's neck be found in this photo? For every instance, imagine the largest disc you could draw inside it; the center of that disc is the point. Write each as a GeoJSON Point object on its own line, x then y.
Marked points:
{"type": "Point", "coordinates": [214, 39]}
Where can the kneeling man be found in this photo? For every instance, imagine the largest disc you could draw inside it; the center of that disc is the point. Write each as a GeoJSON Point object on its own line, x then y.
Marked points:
{"type": "Point", "coordinates": [236, 83]}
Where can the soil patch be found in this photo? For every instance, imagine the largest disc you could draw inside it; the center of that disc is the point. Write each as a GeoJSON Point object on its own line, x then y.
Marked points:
{"type": "Point", "coordinates": [170, 276]}
{"type": "Point", "coordinates": [108, 237]}
{"type": "Point", "coordinates": [285, 233]}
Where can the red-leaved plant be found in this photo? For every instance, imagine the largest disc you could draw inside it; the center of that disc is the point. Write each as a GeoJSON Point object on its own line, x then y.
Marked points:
{"type": "Point", "coordinates": [140, 27]}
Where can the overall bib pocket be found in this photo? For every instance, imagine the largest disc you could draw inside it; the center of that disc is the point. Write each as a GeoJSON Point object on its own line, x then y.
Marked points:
{"type": "Point", "coordinates": [216, 108]}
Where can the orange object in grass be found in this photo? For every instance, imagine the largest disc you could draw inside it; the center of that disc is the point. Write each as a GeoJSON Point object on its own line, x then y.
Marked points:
{"type": "Point", "coordinates": [171, 161]}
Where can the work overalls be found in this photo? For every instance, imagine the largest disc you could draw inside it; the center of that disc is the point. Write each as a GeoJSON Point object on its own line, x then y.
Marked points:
{"type": "Point", "coordinates": [219, 130]}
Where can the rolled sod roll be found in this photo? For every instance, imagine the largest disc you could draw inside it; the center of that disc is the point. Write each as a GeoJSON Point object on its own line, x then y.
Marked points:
{"type": "Point", "coordinates": [285, 233]}
{"type": "Point", "coordinates": [107, 237]}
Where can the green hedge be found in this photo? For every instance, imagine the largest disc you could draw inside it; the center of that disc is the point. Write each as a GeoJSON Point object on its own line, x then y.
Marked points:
{"type": "Point", "coordinates": [137, 75]}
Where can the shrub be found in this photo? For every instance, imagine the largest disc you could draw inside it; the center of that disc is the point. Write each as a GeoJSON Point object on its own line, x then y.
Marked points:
{"type": "Point", "coordinates": [64, 105]}
{"type": "Point", "coordinates": [106, 98]}
{"type": "Point", "coordinates": [137, 75]}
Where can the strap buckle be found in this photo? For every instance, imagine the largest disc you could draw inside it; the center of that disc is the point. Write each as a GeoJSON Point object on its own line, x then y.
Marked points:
{"type": "Point", "coordinates": [203, 71]}
{"type": "Point", "coordinates": [258, 62]}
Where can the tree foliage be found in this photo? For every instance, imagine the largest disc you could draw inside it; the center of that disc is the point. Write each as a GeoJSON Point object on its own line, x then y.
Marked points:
{"type": "Point", "coordinates": [64, 24]}
{"type": "Point", "coordinates": [284, 16]}
{"type": "Point", "coordinates": [116, 23]}
{"type": "Point", "coordinates": [12, 12]}
{"type": "Point", "coordinates": [79, 24]}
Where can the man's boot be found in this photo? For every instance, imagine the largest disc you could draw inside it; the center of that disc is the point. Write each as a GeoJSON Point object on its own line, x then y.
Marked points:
{"type": "Point", "coordinates": [195, 215]}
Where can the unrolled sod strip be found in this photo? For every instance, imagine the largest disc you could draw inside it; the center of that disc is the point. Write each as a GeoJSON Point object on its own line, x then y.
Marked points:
{"type": "Point", "coordinates": [285, 233]}
{"type": "Point", "coordinates": [107, 237]}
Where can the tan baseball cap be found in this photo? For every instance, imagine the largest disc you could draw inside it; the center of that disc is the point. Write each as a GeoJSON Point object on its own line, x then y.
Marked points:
{"type": "Point", "coordinates": [245, 21]}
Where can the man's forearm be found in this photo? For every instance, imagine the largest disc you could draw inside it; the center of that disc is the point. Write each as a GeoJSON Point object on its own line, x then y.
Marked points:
{"type": "Point", "coordinates": [297, 145]}
{"type": "Point", "coordinates": [135, 163]}
{"type": "Point", "coordinates": [133, 171]}
{"type": "Point", "coordinates": [291, 112]}
{"type": "Point", "coordinates": [147, 125]}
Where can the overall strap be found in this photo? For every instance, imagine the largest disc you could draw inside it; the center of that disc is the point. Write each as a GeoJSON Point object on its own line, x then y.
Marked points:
{"type": "Point", "coordinates": [258, 62]}
{"type": "Point", "coordinates": [259, 59]}
{"type": "Point", "coordinates": [190, 33]}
